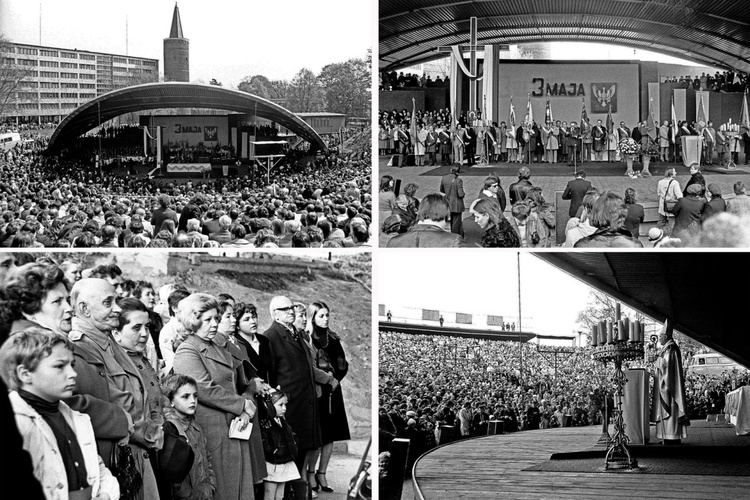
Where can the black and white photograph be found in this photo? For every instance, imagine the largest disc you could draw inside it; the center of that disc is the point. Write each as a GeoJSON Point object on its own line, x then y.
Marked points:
{"type": "Point", "coordinates": [185, 375]}
{"type": "Point", "coordinates": [641, 107]}
{"type": "Point", "coordinates": [188, 124]}
{"type": "Point", "coordinates": [571, 375]}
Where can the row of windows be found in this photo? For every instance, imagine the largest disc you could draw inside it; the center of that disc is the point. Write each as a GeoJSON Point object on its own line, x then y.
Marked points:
{"type": "Point", "coordinates": [88, 86]}
{"type": "Point", "coordinates": [120, 60]}
{"type": "Point", "coordinates": [49, 64]}
{"type": "Point", "coordinates": [69, 55]}
{"type": "Point", "coordinates": [26, 62]}
{"type": "Point", "coordinates": [28, 85]}
{"type": "Point", "coordinates": [69, 75]}
{"type": "Point", "coordinates": [48, 53]}
{"type": "Point", "coordinates": [88, 57]}
{"type": "Point", "coordinates": [49, 95]}
{"type": "Point", "coordinates": [87, 66]}
{"type": "Point", "coordinates": [49, 74]}
{"type": "Point", "coordinates": [69, 65]}
{"type": "Point", "coordinates": [88, 96]}
{"type": "Point", "coordinates": [49, 85]}
{"type": "Point", "coordinates": [28, 51]}
{"type": "Point", "coordinates": [67, 85]}
{"type": "Point", "coordinates": [27, 95]}
{"type": "Point", "coordinates": [87, 76]}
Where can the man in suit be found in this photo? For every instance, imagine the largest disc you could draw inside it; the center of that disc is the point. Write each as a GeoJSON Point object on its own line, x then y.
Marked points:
{"type": "Point", "coordinates": [575, 191]}
{"type": "Point", "coordinates": [289, 367]}
{"type": "Point", "coordinates": [453, 188]}
{"type": "Point", "coordinates": [460, 138]}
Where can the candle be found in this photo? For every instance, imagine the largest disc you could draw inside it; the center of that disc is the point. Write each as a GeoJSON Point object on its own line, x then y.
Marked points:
{"type": "Point", "coordinates": [621, 331]}
{"type": "Point", "coordinates": [626, 322]}
{"type": "Point", "coordinates": [602, 333]}
{"type": "Point", "coordinates": [631, 331]}
{"type": "Point", "coordinates": [638, 331]}
{"type": "Point", "coordinates": [617, 311]}
{"type": "Point", "coordinates": [595, 335]}
{"type": "Point", "coordinates": [610, 332]}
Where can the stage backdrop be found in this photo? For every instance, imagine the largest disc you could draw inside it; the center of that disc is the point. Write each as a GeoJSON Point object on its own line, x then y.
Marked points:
{"type": "Point", "coordinates": [569, 85]}
{"type": "Point", "coordinates": [211, 130]}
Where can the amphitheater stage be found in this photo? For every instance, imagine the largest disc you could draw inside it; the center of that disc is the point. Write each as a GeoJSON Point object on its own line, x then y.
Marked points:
{"type": "Point", "coordinates": [498, 467]}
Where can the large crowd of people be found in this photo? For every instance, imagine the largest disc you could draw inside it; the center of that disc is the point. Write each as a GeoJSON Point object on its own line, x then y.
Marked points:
{"type": "Point", "coordinates": [429, 383]}
{"type": "Point", "coordinates": [113, 389]}
{"type": "Point", "coordinates": [67, 200]}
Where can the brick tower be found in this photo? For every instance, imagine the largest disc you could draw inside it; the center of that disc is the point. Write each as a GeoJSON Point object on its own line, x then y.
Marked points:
{"type": "Point", "coordinates": [176, 52]}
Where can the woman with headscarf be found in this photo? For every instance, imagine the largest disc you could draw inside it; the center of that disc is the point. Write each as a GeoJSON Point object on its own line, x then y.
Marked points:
{"type": "Point", "coordinates": [219, 404]}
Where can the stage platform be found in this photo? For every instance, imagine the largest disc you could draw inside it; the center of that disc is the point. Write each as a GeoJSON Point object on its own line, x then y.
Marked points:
{"type": "Point", "coordinates": [494, 467]}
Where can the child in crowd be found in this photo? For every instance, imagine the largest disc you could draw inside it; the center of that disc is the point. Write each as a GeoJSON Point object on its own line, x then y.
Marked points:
{"type": "Point", "coordinates": [182, 392]}
{"type": "Point", "coordinates": [39, 365]}
{"type": "Point", "coordinates": [279, 447]}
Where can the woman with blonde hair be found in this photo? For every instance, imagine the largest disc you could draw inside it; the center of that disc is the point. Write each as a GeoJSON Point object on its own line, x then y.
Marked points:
{"type": "Point", "coordinates": [220, 407]}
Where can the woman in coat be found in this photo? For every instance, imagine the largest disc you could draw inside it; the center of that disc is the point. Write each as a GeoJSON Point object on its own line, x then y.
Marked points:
{"type": "Point", "coordinates": [497, 230]}
{"type": "Point", "coordinates": [608, 216]}
{"type": "Point", "coordinates": [248, 376]}
{"type": "Point", "coordinates": [215, 372]}
{"type": "Point", "coordinates": [330, 357]}
{"type": "Point", "coordinates": [545, 220]}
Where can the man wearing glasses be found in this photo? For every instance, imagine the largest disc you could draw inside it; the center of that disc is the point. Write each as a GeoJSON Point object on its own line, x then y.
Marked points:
{"type": "Point", "coordinates": [289, 367]}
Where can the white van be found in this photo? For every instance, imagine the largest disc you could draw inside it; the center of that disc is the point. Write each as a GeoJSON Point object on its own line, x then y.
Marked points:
{"type": "Point", "coordinates": [713, 364]}
{"type": "Point", "coordinates": [9, 139]}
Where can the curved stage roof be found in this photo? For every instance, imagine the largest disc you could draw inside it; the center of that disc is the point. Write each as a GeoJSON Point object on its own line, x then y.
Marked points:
{"type": "Point", "coordinates": [691, 288]}
{"type": "Point", "coordinates": [176, 95]}
{"type": "Point", "coordinates": [712, 32]}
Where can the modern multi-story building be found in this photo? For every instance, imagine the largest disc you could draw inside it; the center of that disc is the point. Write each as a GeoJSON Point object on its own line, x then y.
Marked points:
{"type": "Point", "coordinates": [55, 81]}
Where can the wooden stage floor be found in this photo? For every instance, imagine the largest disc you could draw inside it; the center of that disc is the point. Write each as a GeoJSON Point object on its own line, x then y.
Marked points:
{"type": "Point", "coordinates": [492, 467]}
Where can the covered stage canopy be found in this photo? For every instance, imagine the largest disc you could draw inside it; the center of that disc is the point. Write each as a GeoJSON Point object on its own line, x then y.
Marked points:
{"type": "Point", "coordinates": [176, 95]}
{"type": "Point", "coordinates": [711, 32]}
{"type": "Point", "coordinates": [702, 292]}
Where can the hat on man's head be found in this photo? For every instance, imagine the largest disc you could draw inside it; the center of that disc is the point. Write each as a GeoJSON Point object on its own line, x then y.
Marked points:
{"type": "Point", "coordinates": [714, 189]}
{"type": "Point", "coordinates": [694, 189]}
{"type": "Point", "coordinates": [524, 172]}
{"type": "Point", "coordinates": [655, 234]}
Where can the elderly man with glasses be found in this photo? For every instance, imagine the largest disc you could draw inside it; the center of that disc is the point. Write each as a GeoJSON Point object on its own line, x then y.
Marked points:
{"type": "Point", "coordinates": [290, 368]}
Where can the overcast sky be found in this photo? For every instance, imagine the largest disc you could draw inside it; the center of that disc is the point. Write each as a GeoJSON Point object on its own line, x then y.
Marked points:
{"type": "Point", "coordinates": [229, 39]}
{"type": "Point", "coordinates": [478, 281]}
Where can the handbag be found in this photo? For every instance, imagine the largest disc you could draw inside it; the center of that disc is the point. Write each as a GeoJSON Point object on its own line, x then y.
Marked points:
{"type": "Point", "coordinates": [176, 457]}
{"type": "Point", "coordinates": [669, 205]}
{"type": "Point", "coordinates": [124, 470]}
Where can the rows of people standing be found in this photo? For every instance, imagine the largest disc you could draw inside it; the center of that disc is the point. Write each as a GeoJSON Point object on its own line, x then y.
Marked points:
{"type": "Point", "coordinates": [109, 403]}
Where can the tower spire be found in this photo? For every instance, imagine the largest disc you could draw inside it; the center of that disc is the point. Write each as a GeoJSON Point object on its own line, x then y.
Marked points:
{"type": "Point", "coordinates": [176, 30]}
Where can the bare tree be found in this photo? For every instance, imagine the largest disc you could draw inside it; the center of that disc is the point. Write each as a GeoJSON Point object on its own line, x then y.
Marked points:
{"type": "Point", "coordinates": [12, 76]}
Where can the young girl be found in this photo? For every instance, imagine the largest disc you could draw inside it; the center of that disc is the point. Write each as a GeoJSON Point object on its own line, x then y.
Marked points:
{"type": "Point", "coordinates": [279, 447]}
{"type": "Point", "coordinates": [182, 392]}
{"type": "Point", "coordinates": [60, 441]}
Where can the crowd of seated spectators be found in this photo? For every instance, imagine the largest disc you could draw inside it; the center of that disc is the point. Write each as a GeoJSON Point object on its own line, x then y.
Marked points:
{"type": "Point", "coordinates": [426, 382]}
{"type": "Point", "coordinates": [62, 201]}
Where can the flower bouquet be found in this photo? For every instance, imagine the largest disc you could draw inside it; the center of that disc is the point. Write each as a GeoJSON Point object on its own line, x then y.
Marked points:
{"type": "Point", "coordinates": [629, 147]}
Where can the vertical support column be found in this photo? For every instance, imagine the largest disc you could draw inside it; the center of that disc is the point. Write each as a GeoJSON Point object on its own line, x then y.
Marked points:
{"type": "Point", "coordinates": [473, 64]}
{"type": "Point", "coordinates": [158, 147]}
